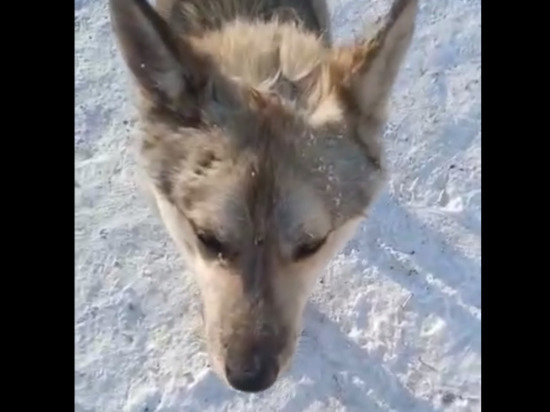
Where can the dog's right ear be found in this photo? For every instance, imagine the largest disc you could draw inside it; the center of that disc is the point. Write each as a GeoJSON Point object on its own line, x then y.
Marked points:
{"type": "Point", "coordinates": [169, 71]}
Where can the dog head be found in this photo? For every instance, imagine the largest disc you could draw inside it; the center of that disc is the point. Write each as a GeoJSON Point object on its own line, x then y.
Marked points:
{"type": "Point", "coordinates": [262, 148]}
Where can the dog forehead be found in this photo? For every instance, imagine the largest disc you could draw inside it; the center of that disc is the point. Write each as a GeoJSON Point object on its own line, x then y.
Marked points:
{"type": "Point", "coordinates": [245, 191]}
{"type": "Point", "coordinates": [259, 173]}
{"type": "Point", "coordinates": [284, 184]}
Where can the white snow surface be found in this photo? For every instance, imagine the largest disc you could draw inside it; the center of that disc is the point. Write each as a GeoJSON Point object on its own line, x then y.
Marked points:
{"type": "Point", "coordinates": [394, 323]}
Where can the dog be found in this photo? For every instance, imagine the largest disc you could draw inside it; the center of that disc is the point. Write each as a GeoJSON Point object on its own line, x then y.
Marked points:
{"type": "Point", "coordinates": [260, 144]}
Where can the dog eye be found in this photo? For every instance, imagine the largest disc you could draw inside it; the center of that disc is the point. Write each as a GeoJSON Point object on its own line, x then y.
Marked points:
{"type": "Point", "coordinates": [211, 244]}
{"type": "Point", "coordinates": [308, 249]}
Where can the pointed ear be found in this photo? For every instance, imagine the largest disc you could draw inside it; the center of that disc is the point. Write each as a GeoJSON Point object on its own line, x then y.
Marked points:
{"type": "Point", "coordinates": [168, 70]}
{"type": "Point", "coordinates": [369, 70]}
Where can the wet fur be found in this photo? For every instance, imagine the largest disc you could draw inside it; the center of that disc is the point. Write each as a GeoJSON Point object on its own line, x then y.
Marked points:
{"type": "Point", "coordinates": [260, 134]}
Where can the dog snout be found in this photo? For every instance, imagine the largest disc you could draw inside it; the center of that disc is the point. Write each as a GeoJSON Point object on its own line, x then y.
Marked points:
{"type": "Point", "coordinates": [254, 371]}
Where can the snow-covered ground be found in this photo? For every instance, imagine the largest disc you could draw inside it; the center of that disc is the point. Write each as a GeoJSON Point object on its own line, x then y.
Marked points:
{"type": "Point", "coordinates": [394, 323]}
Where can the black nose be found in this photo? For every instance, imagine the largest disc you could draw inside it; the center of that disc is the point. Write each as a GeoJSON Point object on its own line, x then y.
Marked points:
{"type": "Point", "coordinates": [252, 373]}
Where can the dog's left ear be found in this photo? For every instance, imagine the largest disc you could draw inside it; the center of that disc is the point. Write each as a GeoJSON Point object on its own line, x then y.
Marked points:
{"type": "Point", "coordinates": [368, 71]}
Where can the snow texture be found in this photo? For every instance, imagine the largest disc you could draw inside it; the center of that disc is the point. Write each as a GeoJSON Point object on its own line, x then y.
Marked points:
{"type": "Point", "coordinates": [395, 321]}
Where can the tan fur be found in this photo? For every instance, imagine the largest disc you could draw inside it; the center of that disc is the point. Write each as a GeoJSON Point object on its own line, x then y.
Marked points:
{"type": "Point", "coordinates": [261, 147]}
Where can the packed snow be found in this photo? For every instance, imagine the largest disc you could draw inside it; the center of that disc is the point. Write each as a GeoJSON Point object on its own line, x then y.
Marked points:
{"type": "Point", "coordinates": [394, 323]}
